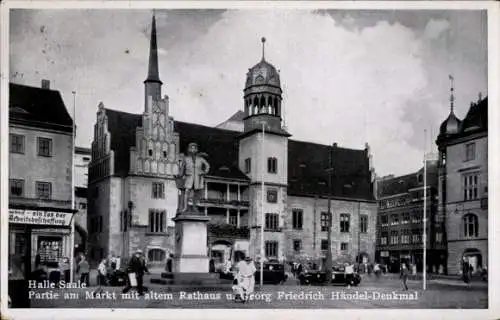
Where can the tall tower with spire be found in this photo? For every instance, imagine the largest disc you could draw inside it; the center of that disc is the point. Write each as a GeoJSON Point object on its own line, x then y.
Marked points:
{"type": "Point", "coordinates": [152, 84]}
{"type": "Point", "coordinates": [263, 156]}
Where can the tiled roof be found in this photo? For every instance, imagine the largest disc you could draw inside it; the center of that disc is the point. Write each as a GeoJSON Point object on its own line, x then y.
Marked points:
{"type": "Point", "coordinates": [306, 167]}
{"type": "Point", "coordinates": [307, 175]}
{"type": "Point", "coordinates": [40, 107]}
{"type": "Point", "coordinates": [402, 184]}
{"type": "Point", "coordinates": [122, 126]}
{"type": "Point", "coordinates": [475, 121]}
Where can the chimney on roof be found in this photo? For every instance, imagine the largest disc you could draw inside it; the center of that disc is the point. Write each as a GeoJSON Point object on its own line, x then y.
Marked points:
{"type": "Point", "coordinates": [46, 84]}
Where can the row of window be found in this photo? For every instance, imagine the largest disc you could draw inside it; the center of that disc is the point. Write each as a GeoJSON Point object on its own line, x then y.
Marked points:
{"type": "Point", "coordinates": [272, 165]}
{"type": "Point", "coordinates": [297, 245]}
{"type": "Point", "coordinates": [404, 200]}
{"type": "Point", "coordinates": [407, 237]}
{"type": "Point", "coordinates": [43, 146]}
{"type": "Point", "coordinates": [43, 190]}
{"type": "Point", "coordinates": [405, 219]}
{"type": "Point", "coordinates": [157, 221]}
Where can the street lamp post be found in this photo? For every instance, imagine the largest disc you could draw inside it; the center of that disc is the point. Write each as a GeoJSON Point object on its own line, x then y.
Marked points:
{"type": "Point", "coordinates": [329, 261]}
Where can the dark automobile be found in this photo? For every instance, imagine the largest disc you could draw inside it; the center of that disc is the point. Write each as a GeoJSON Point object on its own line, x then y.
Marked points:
{"type": "Point", "coordinates": [315, 277]}
{"type": "Point", "coordinates": [118, 277]}
{"type": "Point", "coordinates": [274, 272]}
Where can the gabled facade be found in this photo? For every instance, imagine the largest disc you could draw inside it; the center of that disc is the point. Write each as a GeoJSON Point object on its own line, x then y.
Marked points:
{"type": "Point", "coordinates": [40, 163]}
{"type": "Point", "coordinates": [133, 197]}
{"type": "Point", "coordinates": [463, 186]}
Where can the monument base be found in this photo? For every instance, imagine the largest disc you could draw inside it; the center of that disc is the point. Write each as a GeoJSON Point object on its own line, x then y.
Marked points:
{"type": "Point", "coordinates": [191, 253]}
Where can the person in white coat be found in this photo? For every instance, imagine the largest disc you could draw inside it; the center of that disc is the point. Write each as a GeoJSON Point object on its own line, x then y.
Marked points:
{"type": "Point", "coordinates": [246, 278]}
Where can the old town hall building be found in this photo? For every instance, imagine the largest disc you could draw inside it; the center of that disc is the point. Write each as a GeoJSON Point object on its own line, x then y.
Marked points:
{"type": "Point", "coordinates": [132, 196]}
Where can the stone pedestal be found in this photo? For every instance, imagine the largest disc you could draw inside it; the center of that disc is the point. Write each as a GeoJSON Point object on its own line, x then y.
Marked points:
{"type": "Point", "coordinates": [191, 254]}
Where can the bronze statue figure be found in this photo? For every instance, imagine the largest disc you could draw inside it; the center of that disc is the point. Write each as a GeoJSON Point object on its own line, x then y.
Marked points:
{"type": "Point", "coordinates": [190, 179]}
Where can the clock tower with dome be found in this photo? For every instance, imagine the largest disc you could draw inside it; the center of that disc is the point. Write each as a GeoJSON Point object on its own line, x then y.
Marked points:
{"type": "Point", "coordinates": [263, 157]}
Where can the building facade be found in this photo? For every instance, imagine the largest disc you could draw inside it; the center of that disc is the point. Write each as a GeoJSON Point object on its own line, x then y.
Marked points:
{"type": "Point", "coordinates": [40, 163]}
{"type": "Point", "coordinates": [255, 169]}
{"type": "Point", "coordinates": [463, 186]}
{"type": "Point", "coordinates": [82, 160]}
{"type": "Point", "coordinates": [400, 222]}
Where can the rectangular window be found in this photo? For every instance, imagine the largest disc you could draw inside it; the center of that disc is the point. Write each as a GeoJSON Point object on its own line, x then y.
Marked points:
{"type": "Point", "coordinates": [470, 186]}
{"type": "Point", "coordinates": [272, 221]}
{"type": "Point", "coordinates": [43, 190]}
{"type": "Point", "coordinates": [158, 190]}
{"type": "Point", "coordinates": [233, 219]}
{"type": "Point", "coordinates": [363, 223]}
{"type": "Point", "coordinates": [272, 165]}
{"type": "Point", "coordinates": [272, 196]}
{"type": "Point", "coordinates": [248, 165]}
{"type": "Point", "coordinates": [324, 221]}
{"type": "Point", "coordinates": [439, 237]}
{"type": "Point", "coordinates": [16, 143]}
{"type": "Point", "coordinates": [271, 248]}
{"type": "Point", "coordinates": [157, 221]}
{"type": "Point", "coordinates": [297, 218]}
{"type": "Point", "coordinates": [83, 205]}
{"type": "Point", "coordinates": [394, 238]}
{"type": "Point", "coordinates": [16, 188]}
{"type": "Point", "coordinates": [297, 245]}
{"type": "Point", "coordinates": [416, 237]}
{"type": "Point", "coordinates": [406, 219]}
{"type": "Point", "coordinates": [344, 222]}
{"type": "Point", "coordinates": [470, 151]}
{"type": "Point", "coordinates": [405, 237]}
{"type": "Point", "coordinates": [44, 147]}
{"type": "Point", "coordinates": [384, 221]}
{"type": "Point", "coordinates": [324, 244]}
{"type": "Point", "coordinates": [344, 246]}
{"type": "Point", "coordinates": [383, 239]}
{"type": "Point", "coordinates": [394, 220]}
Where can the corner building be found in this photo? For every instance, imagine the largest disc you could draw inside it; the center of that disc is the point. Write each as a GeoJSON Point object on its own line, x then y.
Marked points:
{"type": "Point", "coordinates": [463, 186]}
{"type": "Point", "coordinates": [133, 197]}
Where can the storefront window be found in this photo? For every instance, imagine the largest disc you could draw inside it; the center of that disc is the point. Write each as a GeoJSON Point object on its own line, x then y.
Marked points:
{"type": "Point", "coordinates": [50, 249]}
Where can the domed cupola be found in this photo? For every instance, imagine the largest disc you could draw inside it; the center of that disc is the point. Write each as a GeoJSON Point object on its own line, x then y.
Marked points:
{"type": "Point", "coordinates": [262, 95]}
{"type": "Point", "coordinates": [452, 124]}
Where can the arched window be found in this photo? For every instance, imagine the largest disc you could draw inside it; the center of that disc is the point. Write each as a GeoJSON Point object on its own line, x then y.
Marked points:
{"type": "Point", "coordinates": [262, 105]}
{"type": "Point", "coordinates": [470, 225]}
{"type": "Point", "coordinates": [156, 255]}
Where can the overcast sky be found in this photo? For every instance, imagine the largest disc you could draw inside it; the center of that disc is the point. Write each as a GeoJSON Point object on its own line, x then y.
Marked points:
{"type": "Point", "coordinates": [348, 76]}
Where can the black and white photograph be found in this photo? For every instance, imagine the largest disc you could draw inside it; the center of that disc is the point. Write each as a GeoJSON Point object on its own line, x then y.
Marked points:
{"type": "Point", "coordinates": [253, 157]}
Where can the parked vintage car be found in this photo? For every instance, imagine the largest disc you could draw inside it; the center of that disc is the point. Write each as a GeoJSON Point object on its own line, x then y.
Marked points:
{"type": "Point", "coordinates": [274, 273]}
{"type": "Point", "coordinates": [316, 277]}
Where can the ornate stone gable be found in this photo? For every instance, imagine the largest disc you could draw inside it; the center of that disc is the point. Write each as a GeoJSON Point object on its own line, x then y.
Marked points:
{"type": "Point", "coordinates": [157, 144]}
{"type": "Point", "coordinates": [102, 162]}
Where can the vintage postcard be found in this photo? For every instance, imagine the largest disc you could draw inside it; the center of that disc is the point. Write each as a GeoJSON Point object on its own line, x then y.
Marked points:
{"type": "Point", "coordinates": [189, 160]}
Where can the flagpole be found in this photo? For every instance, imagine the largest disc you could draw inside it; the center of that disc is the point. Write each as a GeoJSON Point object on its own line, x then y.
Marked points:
{"type": "Point", "coordinates": [72, 234]}
{"type": "Point", "coordinates": [262, 212]}
{"type": "Point", "coordinates": [424, 233]}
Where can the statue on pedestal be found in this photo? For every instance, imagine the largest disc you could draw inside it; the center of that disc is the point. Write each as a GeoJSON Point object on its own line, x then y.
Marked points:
{"type": "Point", "coordinates": [190, 179]}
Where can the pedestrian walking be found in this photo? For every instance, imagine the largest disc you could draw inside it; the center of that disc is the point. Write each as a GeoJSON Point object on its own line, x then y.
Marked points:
{"type": "Point", "coordinates": [136, 269]}
{"type": "Point", "coordinates": [84, 270]}
{"type": "Point", "coordinates": [65, 268]}
{"type": "Point", "coordinates": [376, 270]}
{"type": "Point", "coordinates": [404, 277]}
{"type": "Point", "coordinates": [102, 272]}
{"type": "Point", "coordinates": [349, 274]}
{"type": "Point", "coordinates": [245, 278]}
{"type": "Point", "coordinates": [170, 261]}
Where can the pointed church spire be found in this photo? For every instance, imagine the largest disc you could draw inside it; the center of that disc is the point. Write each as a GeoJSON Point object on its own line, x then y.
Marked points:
{"type": "Point", "coordinates": [452, 89]}
{"type": "Point", "coordinates": [153, 73]}
{"type": "Point", "coordinates": [263, 40]}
